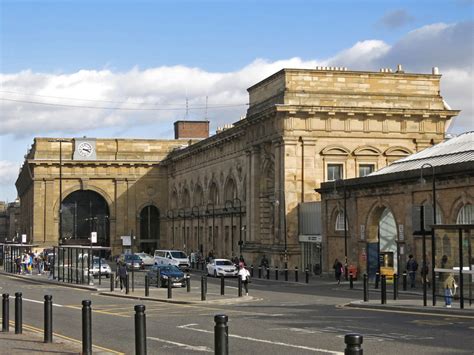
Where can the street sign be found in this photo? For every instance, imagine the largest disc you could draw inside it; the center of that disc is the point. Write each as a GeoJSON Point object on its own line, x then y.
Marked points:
{"type": "Point", "coordinates": [126, 240]}
{"type": "Point", "coordinates": [93, 237]}
{"type": "Point", "coordinates": [23, 238]}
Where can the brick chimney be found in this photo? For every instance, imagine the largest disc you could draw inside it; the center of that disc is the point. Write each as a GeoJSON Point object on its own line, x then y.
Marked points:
{"type": "Point", "coordinates": [191, 129]}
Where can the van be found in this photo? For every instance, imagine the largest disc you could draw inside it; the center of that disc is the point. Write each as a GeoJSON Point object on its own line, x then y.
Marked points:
{"type": "Point", "coordinates": [172, 257]}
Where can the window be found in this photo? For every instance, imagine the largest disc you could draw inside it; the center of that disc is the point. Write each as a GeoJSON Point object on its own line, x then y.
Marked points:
{"type": "Point", "coordinates": [366, 169]}
{"type": "Point", "coordinates": [335, 172]}
{"type": "Point", "coordinates": [466, 215]}
{"type": "Point", "coordinates": [340, 221]}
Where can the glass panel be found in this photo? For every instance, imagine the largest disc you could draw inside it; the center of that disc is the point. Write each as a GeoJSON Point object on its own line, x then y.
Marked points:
{"type": "Point", "coordinates": [335, 172]}
{"type": "Point", "coordinates": [366, 169]}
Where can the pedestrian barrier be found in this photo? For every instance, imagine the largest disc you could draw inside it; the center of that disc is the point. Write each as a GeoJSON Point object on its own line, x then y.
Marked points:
{"type": "Point", "coordinates": [203, 288]}
{"type": "Point", "coordinates": [222, 285]}
{"type": "Point", "coordinates": [48, 319]}
{"type": "Point", "coordinates": [147, 286]}
{"type": "Point", "coordinates": [395, 286]}
{"type": "Point", "coordinates": [377, 278]}
{"type": "Point", "coordinates": [221, 335]}
{"type": "Point", "coordinates": [170, 288]}
{"type": "Point", "coordinates": [188, 283]}
{"type": "Point", "coordinates": [239, 288]}
{"type": "Point", "coordinates": [353, 344]}
{"type": "Point", "coordinates": [404, 281]}
{"type": "Point", "coordinates": [366, 288]}
{"type": "Point", "coordinates": [18, 313]}
{"type": "Point", "coordinates": [351, 281]}
{"type": "Point", "coordinates": [86, 327]}
{"type": "Point", "coordinates": [383, 293]}
{"type": "Point", "coordinates": [5, 312]}
{"type": "Point", "coordinates": [296, 274]}
{"type": "Point", "coordinates": [307, 275]}
{"type": "Point", "coordinates": [140, 330]}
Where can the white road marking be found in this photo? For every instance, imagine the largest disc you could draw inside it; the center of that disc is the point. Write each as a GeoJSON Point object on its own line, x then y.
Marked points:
{"type": "Point", "coordinates": [184, 346]}
{"type": "Point", "coordinates": [35, 301]}
{"type": "Point", "coordinates": [326, 351]}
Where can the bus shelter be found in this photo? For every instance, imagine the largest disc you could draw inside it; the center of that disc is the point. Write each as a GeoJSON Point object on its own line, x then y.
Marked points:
{"type": "Point", "coordinates": [11, 252]}
{"type": "Point", "coordinates": [453, 254]}
{"type": "Point", "coordinates": [79, 264]}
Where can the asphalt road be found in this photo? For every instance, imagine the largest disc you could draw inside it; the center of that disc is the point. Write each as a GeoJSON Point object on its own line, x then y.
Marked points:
{"type": "Point", "coordinates": [280, 319]}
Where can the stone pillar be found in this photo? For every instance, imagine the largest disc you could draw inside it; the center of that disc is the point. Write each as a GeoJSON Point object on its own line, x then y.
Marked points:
{"type": "Point", "coordinates": [121, 202]}
{"type": "Point", "coordinates": [254, 194]}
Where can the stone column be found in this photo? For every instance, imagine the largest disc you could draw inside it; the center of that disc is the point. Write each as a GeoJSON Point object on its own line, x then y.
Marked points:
{"type": "Point", "coordinates": [254, 192]}
{"type": "Point", "coordinates": [121, 202]}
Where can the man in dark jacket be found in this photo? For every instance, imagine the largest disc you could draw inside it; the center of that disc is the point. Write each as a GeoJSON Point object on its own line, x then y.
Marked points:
{"type": "Point", "coordinates": [412, 266]}
{"type": "Point", "coordinates": [122, 274]}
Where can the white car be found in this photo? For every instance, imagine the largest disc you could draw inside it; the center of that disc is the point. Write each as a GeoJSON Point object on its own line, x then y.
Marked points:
{"type": "Point", "coordinates": [221, 267]}
{"type": "Point", "coordinates": [147, 259]}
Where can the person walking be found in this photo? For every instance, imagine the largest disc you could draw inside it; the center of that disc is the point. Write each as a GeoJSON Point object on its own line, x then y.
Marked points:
{"type": "Point", "coordinates": [338, 269]}
{"type": "Point", "coordinates": [122, 273]}
{"type": "Point", "coordinates": [449, 290]}
{"type": "Point", "coordinates": [412, 267]}
{"type": "Point", "coordinates": [425, 270]}
{"type": "Point", "coordinates": [244, 274]}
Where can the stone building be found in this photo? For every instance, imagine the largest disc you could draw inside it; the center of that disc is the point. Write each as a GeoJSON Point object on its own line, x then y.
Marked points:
{"type": "Point", "coordinates": [9, 218]}
{"type": "Point", "coordinates": [240, 190]}
{"type": "Point", "coordinates": [382, 211]}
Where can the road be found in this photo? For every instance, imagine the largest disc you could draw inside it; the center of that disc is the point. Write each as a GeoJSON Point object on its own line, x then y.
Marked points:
{"type": "Point", "coordinates": [281, 318]}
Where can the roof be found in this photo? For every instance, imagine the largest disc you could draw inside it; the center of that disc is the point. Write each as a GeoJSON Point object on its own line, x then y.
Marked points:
{"type": "Point", "coordinates": [459, 149]}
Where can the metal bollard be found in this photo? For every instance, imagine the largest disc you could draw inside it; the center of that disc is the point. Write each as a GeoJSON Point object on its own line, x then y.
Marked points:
{"type": "Point", "coordinates": [112, 282]}
{"type": "Point", "coordinates": [203, 288]}
{"type": "Point", "coordinates": [296, 274]}
{"type": "Point", "coordinates": [86, 327]}
{"type": "Point", "coordinates": [307, 275]}
{"type": "Point", "coordinates": [351, 281]}
{"type": "Point", "coordinates": [276, 273]}
{"type": "Point", "coordinates": [239, 288]}
{"type": "Point", "coordinates": [127, 284]}
{"type": "Point", "coordinates": [222, 285]}
{"type": "Point", "coordinates": [286, 274]}
{"type": "Point", "coordinates": [170, 288]}
{"type": "Point", "coordinates": [188, 283]}
{"type": "Point", "coordinates": [377, 278]}
{"type": "Point", "coordinates": [158, 278]}
{"type": "Point", "coordinates": [251, 270]}
{"type": "Point", "coordinates": [353, 344]}
{"type": "Point", "coordinates": [140, 330]}
{"type": "Point", "coordinates": [259, 272]}
{"type": "Point", "coordinates": [6, 313]}
{"type": "Point", "coordinates": [404, 281]}
{"type": "Point", "coordinates": [147, 286]}
{"type": "Point", "coordinates": [48, 319]}
{"type": "Point", "coordinates": [18, 313]}
{"type": "Point", "coordinates": [268, 273]}
{"type": "Point", "coordinates": [366, 288]}
{"type": "Point", "coordinates": [384, 289]}
{"type": "Point", "coordinates": [395, 286]}
{"type": "Point", "coordinates": [221, 335]}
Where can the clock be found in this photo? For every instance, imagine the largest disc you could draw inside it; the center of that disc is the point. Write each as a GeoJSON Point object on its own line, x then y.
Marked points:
{"type": "Point", "coordinates": [85, 149]}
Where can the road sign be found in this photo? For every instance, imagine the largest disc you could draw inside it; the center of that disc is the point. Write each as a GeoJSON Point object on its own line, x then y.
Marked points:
{"type": "Point", "coordinates": [23, 238]}
{"type": "Point", "coordinates": [126, 240]}
{"type": "Point", "coordinates": [93, 237]}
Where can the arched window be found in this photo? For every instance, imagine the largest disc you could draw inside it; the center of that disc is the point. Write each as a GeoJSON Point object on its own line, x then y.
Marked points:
{"type": "Point", "coordinates": [230, 191]}
{"type": "Point", "coordinates": [149, 228]}
{"type": "Point", "coordinates": [213, 194]}
{"type": "Point", "coordinates": [466, 215]}
{"type": "Point", "coordinates": [340, 221]}
{"type": "Point", "coordinates": [198, 196]}
{"type": "Point", "coordinates": [186, 199]}
{"type": "Point", "coordinates": [428, 208]}
{"type": "Point", "coordinates": [446, 246]}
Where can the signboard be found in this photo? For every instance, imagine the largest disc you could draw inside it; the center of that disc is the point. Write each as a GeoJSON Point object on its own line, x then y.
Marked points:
{"type": "Point", "coordinates": [310, 238]}
{"type": "Point", "coordinates": [401, 232]}
{"type": "Point", "coordinates": [362, 231]}
{"type": "Point", "coordinates": [126, 240]}
{"type": "Point", "coordinates": [23, 238]}
{"type": "Point", "coordinates": [93, 237]}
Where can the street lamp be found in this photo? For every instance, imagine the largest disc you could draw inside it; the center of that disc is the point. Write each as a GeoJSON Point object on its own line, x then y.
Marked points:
{"type": "Point", "coordinates": [170, 215]}
{"type": "Point", "coordinates": [236, 199]}
{"type": "Point", "coordinates": [433, 241]}
{"type": "Point", "coordinates": [194, 215]}
{"type": "Point", "coordinates": [231, 223]}
{"type": "Point", "coordinates": [213, 223]}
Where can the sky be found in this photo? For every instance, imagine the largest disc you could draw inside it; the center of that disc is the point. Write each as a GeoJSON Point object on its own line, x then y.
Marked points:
{"type": "Point", "coordinates": [125, 69]}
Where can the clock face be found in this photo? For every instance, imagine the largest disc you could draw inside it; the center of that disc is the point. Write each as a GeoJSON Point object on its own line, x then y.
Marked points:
{"type": "Point", "coordinates": [85, 149]}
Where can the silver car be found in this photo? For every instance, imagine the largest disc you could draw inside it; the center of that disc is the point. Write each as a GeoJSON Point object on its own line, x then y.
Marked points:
{"type": "Point", "coordinates": [222, 267]}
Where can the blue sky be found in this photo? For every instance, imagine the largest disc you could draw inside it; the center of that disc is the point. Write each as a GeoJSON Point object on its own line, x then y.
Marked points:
{"type": "Point", "coordinates": [154, 54]}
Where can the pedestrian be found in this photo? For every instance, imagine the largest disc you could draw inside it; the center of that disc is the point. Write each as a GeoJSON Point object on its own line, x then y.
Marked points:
{"type": "Point", "coordinates": [425, 270]}
{"type": "Point", "coordinates": [264, 262]}
{"type": "Point", "coordinates": [412, 267]}
{"type": "Point", "coordinates": [122, 274]}
{"type": "Point", "coordinates": [244, 275]}
{"type": "Point", "coordinates": [449, 290]}
{"type": "Point", "coordinates": [338, 270]}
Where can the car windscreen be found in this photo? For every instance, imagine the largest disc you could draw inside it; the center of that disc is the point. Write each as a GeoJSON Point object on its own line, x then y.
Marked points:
{"type": "Point", "coordinates": [170, 268]}
{"type": "Point", "coordinates": [133, 257]}
{"type": "Point", "coordinates": [178, 255]}
{"type": "Point", "coordinates": [224, 262]}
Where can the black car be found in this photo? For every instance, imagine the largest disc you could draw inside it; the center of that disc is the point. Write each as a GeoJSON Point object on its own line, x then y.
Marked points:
{"type": "Point", "coordinates": [167, 273]}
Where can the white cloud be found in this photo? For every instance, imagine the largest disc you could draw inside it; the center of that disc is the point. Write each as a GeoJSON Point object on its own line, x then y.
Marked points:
{"type": "Point", "coordinates": [8, 173]}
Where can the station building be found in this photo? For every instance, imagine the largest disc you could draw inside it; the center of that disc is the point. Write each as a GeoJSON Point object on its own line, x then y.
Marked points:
{"type": "Point", "coordinates": [247, 189]}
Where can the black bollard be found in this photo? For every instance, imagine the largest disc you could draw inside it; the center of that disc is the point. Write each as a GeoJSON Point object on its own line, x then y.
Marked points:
{"type": "Point", "coordinates": [351, 281]}
{"type": "Point", "coordinates": [127, 285]}
{"type": "Point", "coordinates": [268, 273]}
{"type": "Point", "coordinates": [112, 282]}
{"type": "Point", "coordinates": [158, 277]}
{"type": "Point", "coordinates": [286, 274]}
{"type": "Point", "coordinates": [366, 288]}
{"type": "Point", "coordinates": [18, 313]}
{"type": "Point", "coordinates": [6, 313]}
{"type": "Point", "coordinates": [259, 272]}
{"type": "Point", "coordinates": [203, 288]}
{"type": "Point", "coordinates": [251, 270]}
{"type": "Point", "coordinates": [86, 327]}
{"type": "Point", "coordinates": [395, 286]}
{"type": "Point", "coordinates": [404, 281]}
{"type": "Point", "coordinates": [307, 275]}
{"type": "Point", "coordinates": [239, 288]}
{"type": "Point", "coordinates": [276, 273]}
{"type": "Point", "coordinates": [140, 330]}
{"type": "Point", "coordinates": [147, 286]}
{"type": "Point", "coordinates": [48, 319]}
{"type": "Point", "coordinates": [222, 285]}
{"type": "Point", "coordinates": [170, 288]}
{"type": "Point", "coordinates": [353, 344]}
{"type": "Point", "coordinates": [383, 290]}
{"type": "Point", "coordinates": [188, 283]}
{"type": "Point", "coordinates": [296, 274]}
{"type": "Point", "coordinates": [221, 335]}
{"type": "Point", "coordinates": [377, 278]}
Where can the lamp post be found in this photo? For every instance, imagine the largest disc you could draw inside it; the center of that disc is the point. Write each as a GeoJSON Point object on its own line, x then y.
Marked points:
{"type": "Point", "coordinates": [196, 215]}
{"type": "Point", "coordinates": [346, 276]}
{"type": "Point", "coordinates": [184, 225]}
{"type": "Point", "coordinates": [231, 223]}
{"type": "Point", "coordinates": [236, 199]}
{"type": "Point", "coordinates": [433, 241]}
{"type": "Point", "coordinates": [170, 215]}
{"type": "Point", "coordinates": [213, 223]}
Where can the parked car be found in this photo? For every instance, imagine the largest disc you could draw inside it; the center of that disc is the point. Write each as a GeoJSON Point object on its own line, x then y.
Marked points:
{"type": "Point", "coordinates": [147, 259]}
{"type": "Point", "coordinates": [132, 261]}
{"type": "Point", "coordinates": [221, 267]}
{"type": "Point", "coordinates": [167, 273]}
{"type": "Point", "coordinates": [172, 257]}
{"type": "Point", "coordinates": [105, 269]}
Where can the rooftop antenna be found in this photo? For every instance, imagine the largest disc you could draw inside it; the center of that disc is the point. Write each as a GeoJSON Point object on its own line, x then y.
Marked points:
{"type": "Point", "coordinates": [205, 114]}
{"type": "Point", "coordinates": [187, 109]}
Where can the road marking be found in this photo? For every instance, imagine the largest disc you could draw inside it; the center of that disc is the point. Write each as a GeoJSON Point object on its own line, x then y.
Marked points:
{"type": "Point", "coordinates": [188, 326]}
{"type": "Point", "coordinates": [36, 301]}
{"type": "Point", "coordinates": [409, 312]}
{"type": "Point", "coordinates": [184, 346]}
